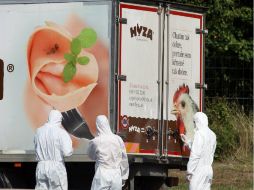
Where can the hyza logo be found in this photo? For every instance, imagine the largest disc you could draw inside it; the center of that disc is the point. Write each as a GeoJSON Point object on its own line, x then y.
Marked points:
{"type": "Point", "coordinates": [144, 31]}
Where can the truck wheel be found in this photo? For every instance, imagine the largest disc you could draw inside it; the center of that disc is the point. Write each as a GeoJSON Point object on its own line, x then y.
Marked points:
{"type": "Point", "coordinates": [4, 182]}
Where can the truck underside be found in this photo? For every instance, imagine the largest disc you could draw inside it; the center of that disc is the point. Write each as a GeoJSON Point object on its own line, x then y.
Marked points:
{"type": "Point", "coordinates": [143, 174]}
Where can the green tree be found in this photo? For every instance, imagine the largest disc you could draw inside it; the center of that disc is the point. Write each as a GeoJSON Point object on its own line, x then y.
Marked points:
{"type": "Point", "coordinates": [230, 26]}
{"type": "Point", "coordinates": [229, 47]}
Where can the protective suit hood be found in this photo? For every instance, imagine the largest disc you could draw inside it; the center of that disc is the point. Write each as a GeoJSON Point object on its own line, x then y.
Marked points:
{"type": "Point", "coordinates": [102, 125]}
{"type": "Point", "coordinates": [201, 121]}
{"type": "Point", "coordinates": [55, 118]}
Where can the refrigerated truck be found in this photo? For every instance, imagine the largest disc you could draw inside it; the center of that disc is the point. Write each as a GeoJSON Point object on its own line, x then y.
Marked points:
{"type": "Point", "coordinates": [142, 56]}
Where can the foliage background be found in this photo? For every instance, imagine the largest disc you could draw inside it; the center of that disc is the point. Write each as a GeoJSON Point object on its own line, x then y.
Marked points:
{"type": "Point", "coordinates": [229, 97]}
{"type": "Point", "coordinates": [229, 75]}
{"type": "Point", "coordinates": [229, 49]}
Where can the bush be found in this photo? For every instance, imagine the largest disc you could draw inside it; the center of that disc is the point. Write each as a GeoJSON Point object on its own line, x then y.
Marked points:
{"type": "Point", "coordinates": [233, 127]}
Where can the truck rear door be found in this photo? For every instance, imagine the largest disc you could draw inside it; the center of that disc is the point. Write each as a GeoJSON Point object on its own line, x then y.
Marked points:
{"type": "Point", "coordinates": [160, 58]}
{"type": "Point", "coordinates": [140, 62]}
{"type": "Point", "coordinates": [183, 68]}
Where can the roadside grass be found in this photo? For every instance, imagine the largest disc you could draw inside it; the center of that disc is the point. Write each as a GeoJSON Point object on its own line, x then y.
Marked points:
{"type": "Point", "coordinates": [233, 128]}
{"type": "Point", "coordinates": [228, 175]}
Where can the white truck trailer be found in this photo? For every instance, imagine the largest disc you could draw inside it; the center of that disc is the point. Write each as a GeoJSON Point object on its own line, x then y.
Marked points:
{"type": "Point", "coordinates": [141, 63]}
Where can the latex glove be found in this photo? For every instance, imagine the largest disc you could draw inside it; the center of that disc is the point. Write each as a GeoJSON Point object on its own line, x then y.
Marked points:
{"type": "Point", "coordinates": [186, 141]}
{"type": "Point", "coordinates": [188, 177]}
{"type": "Point", "coordinates": [123, 183]}
{"type": "Point", "coordinates": [183, 137]}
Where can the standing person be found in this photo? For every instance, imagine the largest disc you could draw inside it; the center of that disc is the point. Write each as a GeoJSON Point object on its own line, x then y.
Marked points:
{"type": "Point", "coordinates": [52, 143]}
{"type": "Point", "coordinates": [112, 167]}
{"type": "Point", "coordinates": [199, 167]}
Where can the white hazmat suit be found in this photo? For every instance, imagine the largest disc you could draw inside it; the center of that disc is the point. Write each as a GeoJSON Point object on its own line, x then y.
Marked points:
{"type": "Point", "coordinates": [52, 143]}
{"type": "Point", "coordinates": [199, 168]}
{"type": "Point", "coordinates": [108, 149]}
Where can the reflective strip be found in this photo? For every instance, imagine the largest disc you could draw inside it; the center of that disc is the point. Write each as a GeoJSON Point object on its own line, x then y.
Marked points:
{"type": "Point", "coordinates": [132, 147]}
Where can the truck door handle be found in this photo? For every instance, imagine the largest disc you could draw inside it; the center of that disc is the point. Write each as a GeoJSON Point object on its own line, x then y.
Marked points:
{"type": "Point", "coordinates": [150, 131]}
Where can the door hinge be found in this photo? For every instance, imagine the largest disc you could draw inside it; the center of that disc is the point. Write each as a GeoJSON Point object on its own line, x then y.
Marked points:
{"type": "Point", "coordinates": [167, 9]}
{"type": "Point", "coordinates": [200, 31]}
{"type": "Point", "coordinates": [121, 77]}
{"type": "Point", "coordinates": [121, 20]}
{"type": "Point", "coordinates": [159, 11]}
{"type": "Point", "coordinates": [199, 86]}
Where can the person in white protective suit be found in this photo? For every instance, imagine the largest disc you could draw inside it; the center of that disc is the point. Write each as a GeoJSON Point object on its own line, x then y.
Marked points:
{"type": "Point", "coordinates": [52, 144]}
{"type": "Point", "coordinates": [108, 149]}
{"type": "Point", "coordinates": [199, 167]}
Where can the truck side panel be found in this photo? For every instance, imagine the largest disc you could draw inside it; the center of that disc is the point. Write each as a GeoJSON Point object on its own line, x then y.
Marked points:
{"type": "Point", "coordinates": [36, 45]}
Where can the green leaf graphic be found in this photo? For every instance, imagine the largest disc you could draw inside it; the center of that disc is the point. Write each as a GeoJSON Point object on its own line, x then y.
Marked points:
{"type": "Point", "coordinates": [69, 72]}
{"type": "Point", "coordinates": [75, 46]}
{"type": "Point", "coordinates": [83, 60]}
{"type": "Point", "coordinates": [69, 57]}
{"type": "Point", "coordinates": [87, 37]}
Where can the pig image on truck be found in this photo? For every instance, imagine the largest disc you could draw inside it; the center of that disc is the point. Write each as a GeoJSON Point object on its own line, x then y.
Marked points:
{"type": "Point", "coordinates": [138, 62]}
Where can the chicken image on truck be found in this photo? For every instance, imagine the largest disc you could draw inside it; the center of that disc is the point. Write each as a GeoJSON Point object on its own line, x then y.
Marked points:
{"type": "Point", "coordinates": [138, 62]}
